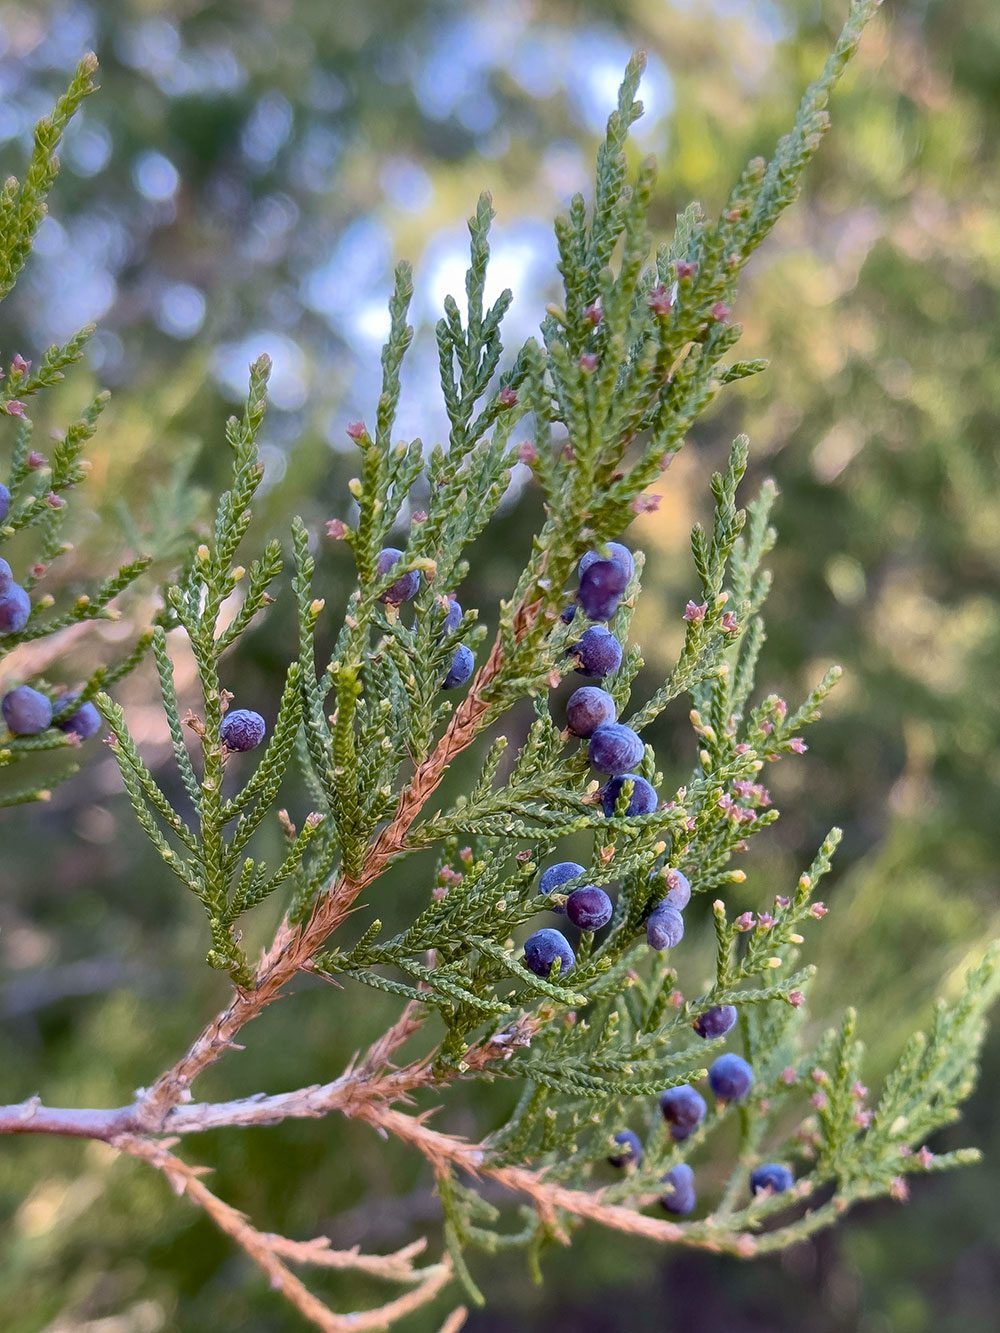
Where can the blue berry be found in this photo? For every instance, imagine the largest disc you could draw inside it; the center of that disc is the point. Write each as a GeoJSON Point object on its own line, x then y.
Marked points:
{"type": "Point", "coordinates": [772, 1176]}
{"type": "Point", "coordinates": [589, 908]}
{"type": "Point", "coordinates": [557, 875]}
{"type": "Point", "coordinates": [631, 1153]}
{"type": "Point", "coordinates": [683, 1109]}
{"type": "Point", "coordinates": [567, 613]}
{"type": "Point", "coordinates": [242, 729]}
{"type": "Point", "coordinates": [4, 502]}
{"type": "Point", "coordinates": [643, 800]}
{"type": "Point", "coordinates": [615, 551]}
{"type": "Point", "coordinates": [715, 1022]}
{"type": "Point", "coordinates": [730, 1078]}
{"type": "Point", "coordinates": [15, 608]}
{"type": "Point", "coordinates": [462, 666]}
{"type": "Point", "coordinates": [406, 586]}
{"type": "Point", "coordinates": [664, 927]}
{"type": "Point", "coordinates": [453, 618]}
{"type": "Point", "coordinates": [680, 1197]}
{"type": "Point", "coordinates": [678, 889]}
{"type": "Point", "coordinates": [26, 711]}
{"type": "Point", "coordinates": [84, 722]}
{"type": "Point", "coordinates": [6, 577]}
{"type": "Point", "coordinates": [615, 749]}
{"type": "Point", "coordinates": [543, 948]}
{"type": "Point", "coordinates": [601, 589]}
{"type": "Point", "coordinates": [598, 652]}
{"type": "Point", "coordinates": [588, 708]}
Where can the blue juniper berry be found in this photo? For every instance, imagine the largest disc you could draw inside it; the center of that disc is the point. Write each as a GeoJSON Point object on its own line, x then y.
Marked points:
{"type": "Point", "coordinates": [406, 586]}
{"type": "Point", "coordinates": [664, 927]}
{"type": "Point", "coordinates": [771, 1177]}
{"type": "Point", "coordinates": [615, 551]}
{"type": "Point", "coordinates": [453, 618]}
{"type": "Point", "coordinates": [567, 613]}
{"type": "Point", "coordinates": [589, 908]}
{"type": "Point", "coordinates": [6, 577]}
{"type": "Point", "coordinates": [4, 502]}
{"type": "Point", "coordinates": [543, 948]}
{"type": "Point", "coordinates": [683, 1109]}
{"type": "Point", "coordinates": [631, 1149]}
{"type": "Point", "coordinates": [730, 1077]}
{"type": "Point", "coordinates": [643, 800]}
{"type": "Point", "coordinates": [84, 721]}
{"type": "Point", "coordinates": [26, 711]}
{"type": "Point", "coordinates": [588, 708]}
{"type": "Point", "coordinates": [678, 889]}
{"type": "Point", "coordinates": [680, 1197]}
{"type": "Point", "coordinates": [598, 652]}
{"type": "Point", "coordinates": [615, 749]}
{"type": "Point", "coordinates": [601, 588]}
{"type": "Point", "coordinates": [242, 729]}
{"type": "Point", "coordinates": [15, 608]}
{"type": "Point", "coordinates": [715, 1022]}
{"type": "Point", "coordinates": [557, 875]}
{"type": "Point", "coordinates": [462, 666]}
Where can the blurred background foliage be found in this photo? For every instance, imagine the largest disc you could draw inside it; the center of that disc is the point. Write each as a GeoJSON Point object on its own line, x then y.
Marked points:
{"type": "Point", "coordinates": [244, 183]}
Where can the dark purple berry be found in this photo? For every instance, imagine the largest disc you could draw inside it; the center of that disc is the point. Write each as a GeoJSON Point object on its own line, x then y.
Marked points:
{"type": "Point", "coordinates": [715, 1022]}
{"type": "Point", "coordinates": [6, 577]}
{"type": "Point", "coordinates": [631, 1153]}
{"type": "Point", "coordinates": [567, 614]}
{"type": "Point", "coordinates": [730, 1078]}
{"type": "Point", "coordinates": [589, 908]}
{"type": "Point", "coordinates": [543, 948]}
{"type": "Point", "coordinates": [771, 1176]}
{"type": "Point", "coordinates": [557, 875]}
{"type": "Point", "coordinates": [588, 708]}
{"type": "Point", "coordinates": [643, 800]}
{"type": "Point", "coordinates": [615, 551]}
{"type": "Point", "coordinates": [601, 589]}
{"type": "Point", "coordinates": [664, 927]}
{"type": "Point", "coordinates": [453, 618]}
{"type": "Point", "coordinates": [84, 722]}
{"type": "Point", "coordinates": [598, 652]}
{"type": "Point", "coordinates": [683, 1109]}
{"type": "Point", "coordinates": [678, 889]}
{"type": "Point", "coordinates": [462, 666]}
{"type": "Point", "coordinates": [680, 1197]}
{"type": "Point", "coordinates": [406, 586]}
{"type": "Point", "coordinates": [242, 729]}
{"type": "Point", "coordinates": [4, 502]}
{"type": "Point", "coordinates": [615, 749]}
{"type": "Point", "coordinates": [26, 711]}
{"type": "Point", "coordinates": [15, 608]}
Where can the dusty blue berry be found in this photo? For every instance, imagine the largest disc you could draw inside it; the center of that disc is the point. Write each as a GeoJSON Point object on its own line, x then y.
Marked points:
{"type": "Point", "coordinates": [715, 1022]}
{"type": "Point", "coordinates": [589, 908]}
{"type": "Point", "coordinates": [615, 551]}
{"type": "Point", "coordinates": [462, 666]}
{"type": "Point", "coordinates": [643, 800]}
{"type": "Point", "coordinates": [15, 608]}
{"type": "Point", "coordinates": [664, 927]}
{"type": "Point", "coordinates": [6, 577]}
{"type": "Point", "coordinates": [683, 1109]}
{"type": "Point", "coordinates": [406, 586]}
{"type": "Point", "coordinates": [678, 889]}
{"type": "Point", "coordinates": [26, 711]}
{"type": "Point", "coordinates": [730, 1077]}
{"type": "Point", "coordinates": [680, 1197]}
{"type": "Point", "coordinates": [773, 1176]}
{"type": "Point", "coordinates": [557, 875]}
{"type": "Point", "coordinates": [597, 653]}
{"type": "Point", "coordinates": [615, 749]}
{"type": "Point", "coordinates": [543, 948]}
{"type": "Point", "coordinates": [84, 721]}
{"type": "Point", "coordinates": [588, 708]}
{"type": "Point", "coordinates": [601, 589]}
{"type": "Point", "coordinates": [4, 502]}
{"type": "Point", "coordinates": [567, 614]}
{"type": "Point", "coordinates": [242, 729]}
{"type": "Point", "coordinates": [453, 618]}
{"type": "Point", "coordinates": [631, 1153]}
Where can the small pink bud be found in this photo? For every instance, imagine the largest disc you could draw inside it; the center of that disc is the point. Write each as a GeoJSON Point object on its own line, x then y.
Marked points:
{"type": "Point", "coordinates": [567, 453]}
{"type": "Point", "coordinates": [796, 999]}
{"type": "Point", "coordinates": [337, 529]}
{"type": "Point", "coordinates": [659, 300]}
{"type": "Point", "coordinates": [905, 1150]}
{"type": "Point", "coordinates": [593, 314]}
{"type": "Point", "coordinates": [527, 453]}
{"type": "Point", "coordinates": [38, 570]}
{"type": "Point", "coordinates": [789, 1076]}
{"type": "Point", "coordinates": [18, 365]}
{"type": "Point", "coordinates": [720, 311]}
{"type": "Point", "coordinates": [676, 999]}
{"type": "Point", "coordinates": [862, 1118]}
{"type": "Point", "coordinates": [465, 856]}
{"type": "Point", "coordinates": [925, 1157]}
{"type": "Point", "coordinates": [36, 460]}
{"type": "Point", "coordinates": [765, 921]}
{"type": "Point", "coordinates": [797, 745]}
{"type": "Point", "coordinates": [782, 901]}
{"type": "Point", "coordinates": [55, 501]}
{"type": "Point", "coordinates": [744, 921]}
{"type": "Point", "coordinates": [742, 748]}
{"type": "Point", "coordinates": [665, 461]}
{"type": "Point", "coordinates": [685, 268]}
{"type": "Point", "coordinates": [780, 707]}
{"type": "Point", "coordinates": [694, 612]}
{"type": "Point", "coordinates": [14, 408]}
{"type": "Point", "coordinates": [418, 516]}
{"type": "Point", "coordinates": [859, 1091]}
{"type": "Point", "coordinates": [820, 1076]}
{"type": "Point", "coordinates": [645, 504]}
{"type": "Point", "coordinates": [819, 911]}
{"type": "Point", "coordinates": [356, 430]}
{"type": "Point", "coordinates": [690, 823]}
{"type": "Point", "coordinates": [767, 728]}
{"type": "Point", "coordinates": [438, 893]}
{"type": "Point", "coordinates": [728, 623]}
{"type": "Point", "coordinates": [588, 361]}
{"type": "Point", "coordinates": [507, 397]}
{"type": "Point", "coordinates": [818, 1099]}
{"type": "Point", "coordinates": [899, 1189]}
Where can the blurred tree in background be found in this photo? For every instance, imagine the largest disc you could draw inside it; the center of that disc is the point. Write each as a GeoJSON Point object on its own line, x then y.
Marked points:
{"type": "Point", "coordinates": [244, 183]}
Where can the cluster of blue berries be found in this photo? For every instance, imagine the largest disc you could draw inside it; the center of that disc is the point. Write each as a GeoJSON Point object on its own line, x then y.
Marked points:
{"type": "Point", "coordinates": [406, 587]}
{"type": "Point", "coordinates": [27, 712]}
{"type": "Point", "coordinates": [15, 604]}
